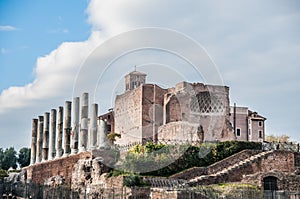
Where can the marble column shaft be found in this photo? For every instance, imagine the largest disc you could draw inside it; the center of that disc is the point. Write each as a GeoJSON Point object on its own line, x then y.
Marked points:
{"type": "Point", "coordinates": [46, 137]}
{"type": "Point", "coordinates": [33, 141]}
{"type": "Point", "coordinates": [93, 127]}
{"type": "Point", "coordinates": [102, 135]}
{"type": "Point", "coordinates": [67, 128]}
{"type": "Point", "coordinates": [52, 134]}
{"type": "Point", "coordinates": [83, 137]}
{"type": "Point", "coordinates": [75, 126]}
{"type": "Point", "coordinates": [60, 122]}
{"type": "Point", "coordinates": [39, 139]}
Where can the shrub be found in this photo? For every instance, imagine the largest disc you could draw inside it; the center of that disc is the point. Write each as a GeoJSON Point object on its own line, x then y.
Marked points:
{"type": "Point", "coordinates": [133, 180]}
{"type": "Point", "coordinates": [194, 156]}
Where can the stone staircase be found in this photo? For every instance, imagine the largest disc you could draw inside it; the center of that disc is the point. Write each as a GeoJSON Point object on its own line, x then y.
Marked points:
{"type": "Point", "coordinates": [224, 175]}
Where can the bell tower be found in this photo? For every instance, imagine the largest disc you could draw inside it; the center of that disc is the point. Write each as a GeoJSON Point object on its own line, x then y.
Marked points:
{"type": "Point", "coordinates": [134, 80]}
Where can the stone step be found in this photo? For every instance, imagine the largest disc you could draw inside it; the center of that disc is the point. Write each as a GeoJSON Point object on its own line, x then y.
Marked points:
{"type": "Point", "coordinates": [226, 171]}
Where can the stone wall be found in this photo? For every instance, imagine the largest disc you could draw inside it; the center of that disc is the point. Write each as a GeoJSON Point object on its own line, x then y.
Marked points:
{"type": "Point", "coordinates": [127, 114]}
{"type": "Point", "coordinates": [152, 110]}
{"type": "Point", "coordinates": [204, 106]}
{"type": "Point", "coordinates": [297, 159]}
{"type": "Point", "coordinates": [40, 172]}
{"type": "Point", "coordinates": [227, 162]}
{"type": "Point", "coordinates": [218, 166]}
{"type": "Point", "coordinates": [285, 181]}
{"type": "Point", "coordinates": [190, 173]}
{"type": "Point", "coordinates": [140, 113]}
{"type": "Point", "coordinates": [180, 131]}
{"type": "Point", "coordinates": [282, 161]}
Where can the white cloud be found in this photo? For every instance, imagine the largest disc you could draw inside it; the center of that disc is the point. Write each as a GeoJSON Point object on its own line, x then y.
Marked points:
{"type": "Point", "coordinates": [7, 28]}
{"type": "Point", "coordinates": [54, 74]}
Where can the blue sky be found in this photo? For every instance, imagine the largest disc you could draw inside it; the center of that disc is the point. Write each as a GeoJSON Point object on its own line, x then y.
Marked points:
{"type": "Point", "coordinates": [255, 45]}
{"type": "Point", "coordinates": [39, 27]}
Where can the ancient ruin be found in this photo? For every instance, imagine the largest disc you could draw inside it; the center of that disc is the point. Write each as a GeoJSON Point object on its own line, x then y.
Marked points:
{"type": "Point", "coordinates": [70, 146]}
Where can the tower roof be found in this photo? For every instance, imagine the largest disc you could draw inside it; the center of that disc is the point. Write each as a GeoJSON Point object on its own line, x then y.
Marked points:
{"type": "Point", "coordinates": [136, 73]}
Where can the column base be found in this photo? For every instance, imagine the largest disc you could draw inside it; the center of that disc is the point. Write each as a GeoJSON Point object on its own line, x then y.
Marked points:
{"type": "Point", "coordinates": [82, 149]}
{"type": "Point", "coordinates": [74, 151]}
{"type": "Point", "coordinates": [92, 148]}
{"type": "Point", "coordinates": [65, 155]}
{"type": "Point", "coordinates": [58, 154]}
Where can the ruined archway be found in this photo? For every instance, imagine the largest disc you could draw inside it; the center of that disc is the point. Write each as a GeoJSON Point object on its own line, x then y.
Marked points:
{"type": "Point", "coordinates": [270, 183]}
{"type": "Point", "coordinates": [270, 187]}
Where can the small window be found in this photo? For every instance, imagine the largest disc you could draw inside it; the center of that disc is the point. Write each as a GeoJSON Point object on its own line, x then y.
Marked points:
{"type": "Point", "coordinates": [108, 128]}
{"type": "Point", "coordinates": [249, 131]}
{"type": "Point", "coordinates": [238, 132]}
{"type": "Point", "coordinates": [183, 115]}
{"type": "Point", "coordinates": [259, 123]}
{"type": "Point", "coordinates": [108, 117]}
{"type": "Point", "coordinates": [259, 134]}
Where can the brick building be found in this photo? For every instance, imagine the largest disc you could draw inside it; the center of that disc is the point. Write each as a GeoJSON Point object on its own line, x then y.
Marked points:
{"type": "Point", "coordinates": [189, 111]}
{"type": "Point", "coordinates": [248, 125]}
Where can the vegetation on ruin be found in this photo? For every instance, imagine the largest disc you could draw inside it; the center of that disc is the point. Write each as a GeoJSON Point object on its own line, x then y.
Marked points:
{"type": "Point", "coordinates": [3, 174]}
{"type": "Point", "coordinates": [236, 186]}
{"type": "Point", "coordinates": [112, 137]}
{"type": "Point", "coordinates": [237, 190]}
{"type": "Point", "coordinates": [162, 156]}
{"type": "Point", "coordinates": [132, 180]}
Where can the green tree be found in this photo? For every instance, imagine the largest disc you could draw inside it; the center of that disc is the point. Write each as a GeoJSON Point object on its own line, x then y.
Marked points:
{"type": "Point", "coordinates": [9, 159]}
{"type": "Point", "coordinates": [1, 157]}
{"type": "Point", "coordinates": [278, 138]}
{"type": "Point", "coordinates": [24, 157]}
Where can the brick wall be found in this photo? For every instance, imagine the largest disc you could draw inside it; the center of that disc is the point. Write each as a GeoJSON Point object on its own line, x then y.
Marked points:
{"type": "Point", "coordinates": [297, 160]}
{"type": "Point", "coordinates": [282, 161]}
{"type": "Point", "coordinates": [198, 171]}
{"type": "Point", "coordinates": [152, 109]}
{"type": "Point", "coordinates": [38, 173]}
{"type": "Point", "coordinates": [190, 173]}
{"type": "Point", "coordinates": [285, 181]}
{"type": "Point", "coordinates": [218, 166]}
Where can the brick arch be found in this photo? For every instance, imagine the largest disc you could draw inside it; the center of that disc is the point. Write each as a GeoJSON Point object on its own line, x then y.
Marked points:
{"type": "Point", "coordinates": [275, 174]}
{"type": "Point", "coordinates": [270, 183]}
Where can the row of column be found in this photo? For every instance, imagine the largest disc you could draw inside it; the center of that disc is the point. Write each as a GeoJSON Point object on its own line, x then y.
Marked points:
{"type": "Point", "coordinates": [49, 131]}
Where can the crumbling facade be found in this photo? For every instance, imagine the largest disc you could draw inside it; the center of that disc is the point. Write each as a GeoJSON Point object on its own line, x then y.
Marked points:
{"type": "Point", "coordinates": [192, 112]}
{"type": "Point", "coordinates": [70, 144]}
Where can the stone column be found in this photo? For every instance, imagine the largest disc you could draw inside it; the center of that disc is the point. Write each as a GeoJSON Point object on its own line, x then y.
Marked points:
{"type": "Point", "coordinates": [60, 123]}
{"type": "Point", "coordinates": [33, 141]}
{"type": "Point", "coordinates": [93, 127]}
{"type": "Point", "coordinates": [102, 135]}
{"type": "Point", "coordinates": [67, 128]}
{"type": "Point", "coordinates": [75, 126]}
{"type": "Point", "coordinates": [39, 139]}
{"type": "Point", "coordinates": [46, 137]}
{"type": "Point", "coordinates": [84, 122]}
{"type": "Point", "coordinates": [52, 134]}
